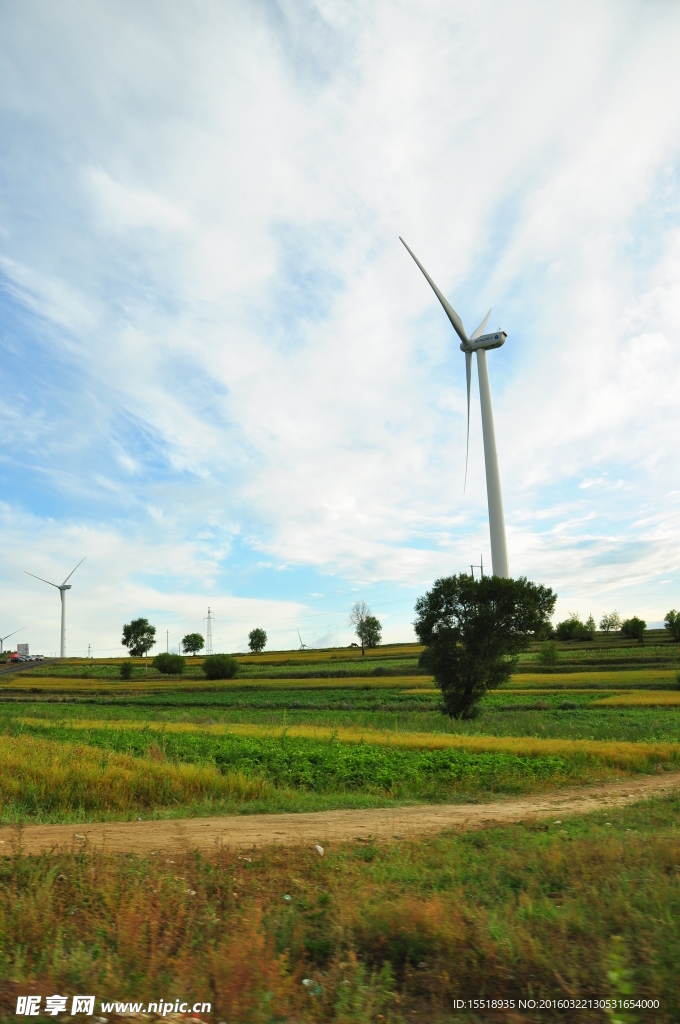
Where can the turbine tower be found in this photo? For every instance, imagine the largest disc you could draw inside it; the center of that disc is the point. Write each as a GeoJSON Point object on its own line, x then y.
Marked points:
{"type": "Point", "coordinates": [62, 588]}
{"type": "Point", "coordinates": [479, 342]}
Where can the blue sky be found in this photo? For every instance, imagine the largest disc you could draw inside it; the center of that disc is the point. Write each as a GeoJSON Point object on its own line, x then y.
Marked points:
{"type": "Point", "coordinates": [224, 381]}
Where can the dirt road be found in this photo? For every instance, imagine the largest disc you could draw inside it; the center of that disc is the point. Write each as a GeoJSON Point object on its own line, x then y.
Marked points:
{"type": "Point", "coordinates": [387, 823]}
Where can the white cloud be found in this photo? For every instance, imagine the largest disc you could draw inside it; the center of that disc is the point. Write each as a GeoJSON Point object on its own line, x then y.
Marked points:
{"type": "Point", "coordinates": [210, 236]}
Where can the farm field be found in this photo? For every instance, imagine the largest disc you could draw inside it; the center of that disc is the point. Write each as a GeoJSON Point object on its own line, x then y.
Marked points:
{"type": "Point", "coordinates": [375, 928]}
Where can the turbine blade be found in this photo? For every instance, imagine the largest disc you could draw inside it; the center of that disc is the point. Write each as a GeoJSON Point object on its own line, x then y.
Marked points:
{"type": "Point", "coordinates": [480, 330]}
{"type": "Point", "coordinates": [11, 634]}
{"type": "Point", "coordinates": [41, 579]}
{"type": "Point", "coordinates": [468, 374]}
{"type": "Point", "coordinates": [71, 573]}
{"type": "Point", "coordinates": [448, 308]}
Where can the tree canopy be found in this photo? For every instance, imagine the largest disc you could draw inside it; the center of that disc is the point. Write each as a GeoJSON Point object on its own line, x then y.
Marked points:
{"type": "Point", "coordinates": [472, 630]}
{"type": "Point", "coordinates": [139, 636]}
{"type": "Point", "coordinates": [366, 625]}
{"type": "Point", "coordinates": [634, 629]}
{"type": "Point", "coordinates": [192, 643]}
{"type": "Point", "coordinates": [573, 629]}
{"type": "Point", "coordinates": [610, 620]}
{"type": "Point", "coordinates": [672, 623]}
{"type": "Point", "coordinates": [257, 640]}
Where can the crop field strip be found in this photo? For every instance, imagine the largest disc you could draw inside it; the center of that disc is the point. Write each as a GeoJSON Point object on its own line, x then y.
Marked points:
{"type": "Point", "coordinates": [96, 770]}
{"type": "Point", "coordinates": [612, 752]}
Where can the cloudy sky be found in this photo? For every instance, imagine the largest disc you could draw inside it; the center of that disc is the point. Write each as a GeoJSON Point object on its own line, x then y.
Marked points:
{"type": "Point", "coordinates": [223, 379]}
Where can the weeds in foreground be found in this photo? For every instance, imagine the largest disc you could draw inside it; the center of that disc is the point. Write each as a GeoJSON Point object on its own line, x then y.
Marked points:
{"type": "Point", "coordinates": [397, 930]}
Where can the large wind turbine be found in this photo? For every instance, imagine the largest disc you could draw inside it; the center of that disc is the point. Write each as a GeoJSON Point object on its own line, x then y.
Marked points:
{"type": "Point", "coordinates": [62, 588]}
{"type": "Point", "coordinates": [479, 342]}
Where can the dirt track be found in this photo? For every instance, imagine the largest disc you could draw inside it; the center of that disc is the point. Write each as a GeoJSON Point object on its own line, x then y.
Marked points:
{"type": "Point", "coordinates": [388, 823]}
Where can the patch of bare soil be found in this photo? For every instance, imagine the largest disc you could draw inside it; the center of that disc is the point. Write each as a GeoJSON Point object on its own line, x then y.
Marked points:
{"type": "Point", "coordinates": [324, 827]}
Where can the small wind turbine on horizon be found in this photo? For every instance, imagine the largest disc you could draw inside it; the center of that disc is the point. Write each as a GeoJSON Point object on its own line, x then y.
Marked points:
{"type": "Point", "coordinates": [62, 588]}
{"type": "Point", "coordinates": [479, 342]}
{"type": "Point", "coordinates": [3, 638]}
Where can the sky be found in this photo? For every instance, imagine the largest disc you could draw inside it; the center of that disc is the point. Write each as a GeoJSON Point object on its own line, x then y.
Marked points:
{"type": "Point", "coordinates": [225, 383]}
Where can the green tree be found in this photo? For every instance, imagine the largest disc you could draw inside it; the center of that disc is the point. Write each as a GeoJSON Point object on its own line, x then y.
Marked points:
{"type": "Point", "coordinates": [590, 627]}
{"type": "Point", "coordinates": [257, 640]}
{"type": "Point", "coordinates": [372, 631]}
{"type": "Point", "coordinates": [634, 629]}
{"type": "Point", "coordinates": [192, 643]}
{"type": "Point", "coordinates": [366, 626]}
{"type": "Point", "coordinates": [472, 631]}
{"type": "Point", "coordinates": [139, 636]}
{"type": "Point", "coordinates": [609, 621]}
{"type": "Point", "coordinates": [672, 623]}
{"type": "Point", "coordinates": [573, 629]}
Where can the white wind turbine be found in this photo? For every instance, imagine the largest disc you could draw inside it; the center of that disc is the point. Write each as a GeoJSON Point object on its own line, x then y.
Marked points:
{"type": "Point", "coordinates": [3, 638]}
{"type": "Point", "coordinates": [62, 588]}
{"type": "Point", "coordinates": [479, 342]}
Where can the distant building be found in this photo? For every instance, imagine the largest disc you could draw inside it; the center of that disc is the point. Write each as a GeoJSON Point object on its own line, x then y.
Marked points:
{"type": "Point", "coordinates": [22, 650]}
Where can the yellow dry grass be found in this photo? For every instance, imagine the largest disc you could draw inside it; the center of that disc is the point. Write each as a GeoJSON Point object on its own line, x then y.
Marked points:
{"type": "Point", "coordinates": [41, 773]}
{"type": "Point", "coordinates": [640, 699]}
{"type": "Point", "coordinates": [607, 751]}
{"type": "Point", "coordinates": [613, 679]}
{"type": "Point", "coordinates": [334, 654]}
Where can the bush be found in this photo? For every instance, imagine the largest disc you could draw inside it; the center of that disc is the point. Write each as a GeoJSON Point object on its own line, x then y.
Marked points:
{"type": "Point", "coordinates": [548, 655]}
{"type": "Point", "coordinates": [126, 670]}
{"type": "Point", "coordinates": [220, 666]}
{"type": "Point", "coordinates": [169, 664]}
{"type": "Point", "coordinates": [634, 629]}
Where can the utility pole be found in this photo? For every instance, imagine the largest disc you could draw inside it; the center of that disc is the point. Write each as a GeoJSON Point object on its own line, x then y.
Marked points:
{"type": "Point", "coordinates": [208, 632]}
{"type": "Point", "coordinates": [480, 567]}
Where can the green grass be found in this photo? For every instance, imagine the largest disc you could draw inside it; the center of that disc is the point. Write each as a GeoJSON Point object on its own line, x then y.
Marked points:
{"type": "Point", "coordinates": [399, 930]}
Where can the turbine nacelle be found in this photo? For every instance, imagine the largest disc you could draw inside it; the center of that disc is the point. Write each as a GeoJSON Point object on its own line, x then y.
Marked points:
{"type": "Point", "coordinates": [485, 341]}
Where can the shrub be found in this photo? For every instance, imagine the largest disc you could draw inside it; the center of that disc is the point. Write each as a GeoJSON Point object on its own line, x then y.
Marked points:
{"type": "Point", "coordinates": [548, 655]}
{"type": "Point", "coordinates": [126, 670]}
{"type": "Point", "coordinates": [634, 629]}
{"type": "Point", "coordinates": [220, 666]}
{"type": "Point", "coordinates": [169, 664]}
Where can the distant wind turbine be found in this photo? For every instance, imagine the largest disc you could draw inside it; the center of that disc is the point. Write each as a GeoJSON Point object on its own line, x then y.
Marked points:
{"type": "Point", "coordinates": [479, 342]}
{"type": "Point", "coordinates": [3, 638]}
{"type": "Point", "coordinates": [62, 588]}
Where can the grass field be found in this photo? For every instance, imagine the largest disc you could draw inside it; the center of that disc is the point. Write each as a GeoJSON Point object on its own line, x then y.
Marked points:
{"type": "Point", "coordinates": [380, 932]}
